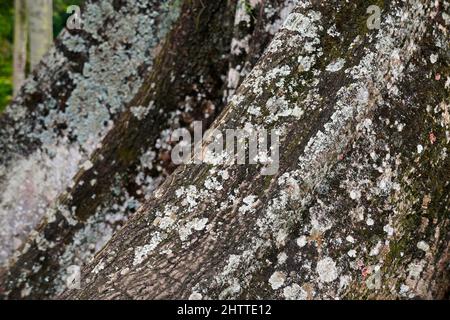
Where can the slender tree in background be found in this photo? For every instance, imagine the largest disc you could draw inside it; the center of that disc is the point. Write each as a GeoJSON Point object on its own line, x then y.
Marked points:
{"type": "Point", "coordinates": [40, 13]}
{"type": "Point", "coordinates": [20, 43]}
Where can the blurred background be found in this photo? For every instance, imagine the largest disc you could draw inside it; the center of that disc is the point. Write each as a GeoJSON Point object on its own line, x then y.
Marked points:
{"type": "Point", "coordinates": [7, 19]}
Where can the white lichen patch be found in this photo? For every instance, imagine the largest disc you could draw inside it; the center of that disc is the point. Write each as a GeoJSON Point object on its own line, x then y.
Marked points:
{"type": "Point", "coordinates": [294, 292]}
{"type": "Point", "coordinates": [335, 65]}
{"type": "Point", "coordinates": [376, 249]}
{"type": "Point", "coordinates": [277, 279]}
{"type": "Point", "coordinates": [281, 258]}
{"type": "Point", "coordinates": [195, 296]}
{"type": "Point", "coordinates": [302, 241]}
{"type": "Point", "coordinates": [419, 148]}
{"type": "Point", "coordinates": [141, 252]}
{"type": "Point", "coordinates": [213, 184]}
{"type": "Point", "coordinates": [422, 245]}
{"type": "Point", "coordinates": [249, 203]}
{"type": "Point", "coordinates": [355, 194]}
{"type": "Point", "coordinates": [389, 230]}
{"type": "Point", "coordinates": [433, 58]}
{"type": "Point", "coordinates": [196, 224]}
{"type": "Point", "coordinates": [87, 165]}
{"type": "Point", "coordinates": [75, 44]}
{"type": "Point", "coordinates": [351, 253]}
{"type": "Point", "coordinates": [139, 111]}
{"type": "Point", "coordinates": [303, 24]}
{"type": "Point", "coordinates": [99, 267]}
{"type": "Point", "coordinates": [189, 194]}
{"type": "Point", "coordinates": [327, 270]}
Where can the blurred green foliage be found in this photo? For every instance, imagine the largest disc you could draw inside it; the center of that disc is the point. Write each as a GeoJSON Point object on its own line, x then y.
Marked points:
{"type": "Point", "coordinates": [6, 41]}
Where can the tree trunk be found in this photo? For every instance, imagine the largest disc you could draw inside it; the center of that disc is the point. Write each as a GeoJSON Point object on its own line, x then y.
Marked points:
{"type": "Point", "coordinates": [357, 209]}
{"type": "Point", "coordinates": [359, 206]}
{"type": "Point", "coordinates": [145, 133]}
{"type": "Point", "coordinates": [20, 44]}
{"type": "Point", "coordinates": [40, 15]}
{"type": "Point", "coordinates": [68, 104]}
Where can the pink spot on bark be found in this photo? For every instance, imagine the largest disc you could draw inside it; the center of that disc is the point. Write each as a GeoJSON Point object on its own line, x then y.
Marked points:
{"type": "Point", "coordinates": [432, 138]}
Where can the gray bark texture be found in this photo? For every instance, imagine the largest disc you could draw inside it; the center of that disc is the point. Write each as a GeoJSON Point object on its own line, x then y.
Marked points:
{"type": "Point", "coordinates": [359, 206]}
{"type": "Point", "coordinates": [135, 157]}
{"type": "Point", "coordinates": [69, 102]}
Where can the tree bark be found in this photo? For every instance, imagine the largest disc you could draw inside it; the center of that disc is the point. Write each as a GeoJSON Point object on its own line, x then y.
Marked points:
{"type": "Point", "coordinates": [40, 15]}
{"type": "Point", "coordinates": [69, 102]}
{"type": "Point", "coordinates": [359, 206]}
{"type": "Point", "coordinates": [142, 135]}
{"type": "Point", "coordinates": [20, 44]}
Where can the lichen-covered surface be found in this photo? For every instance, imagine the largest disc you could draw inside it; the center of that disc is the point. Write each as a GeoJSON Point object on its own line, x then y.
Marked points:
{"type": "Point", "coordinates": [69, 102]}
{"type": "Point", "coordinates": [360, 205]}
{"type": "Point", "coordinates": [135, 156]}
